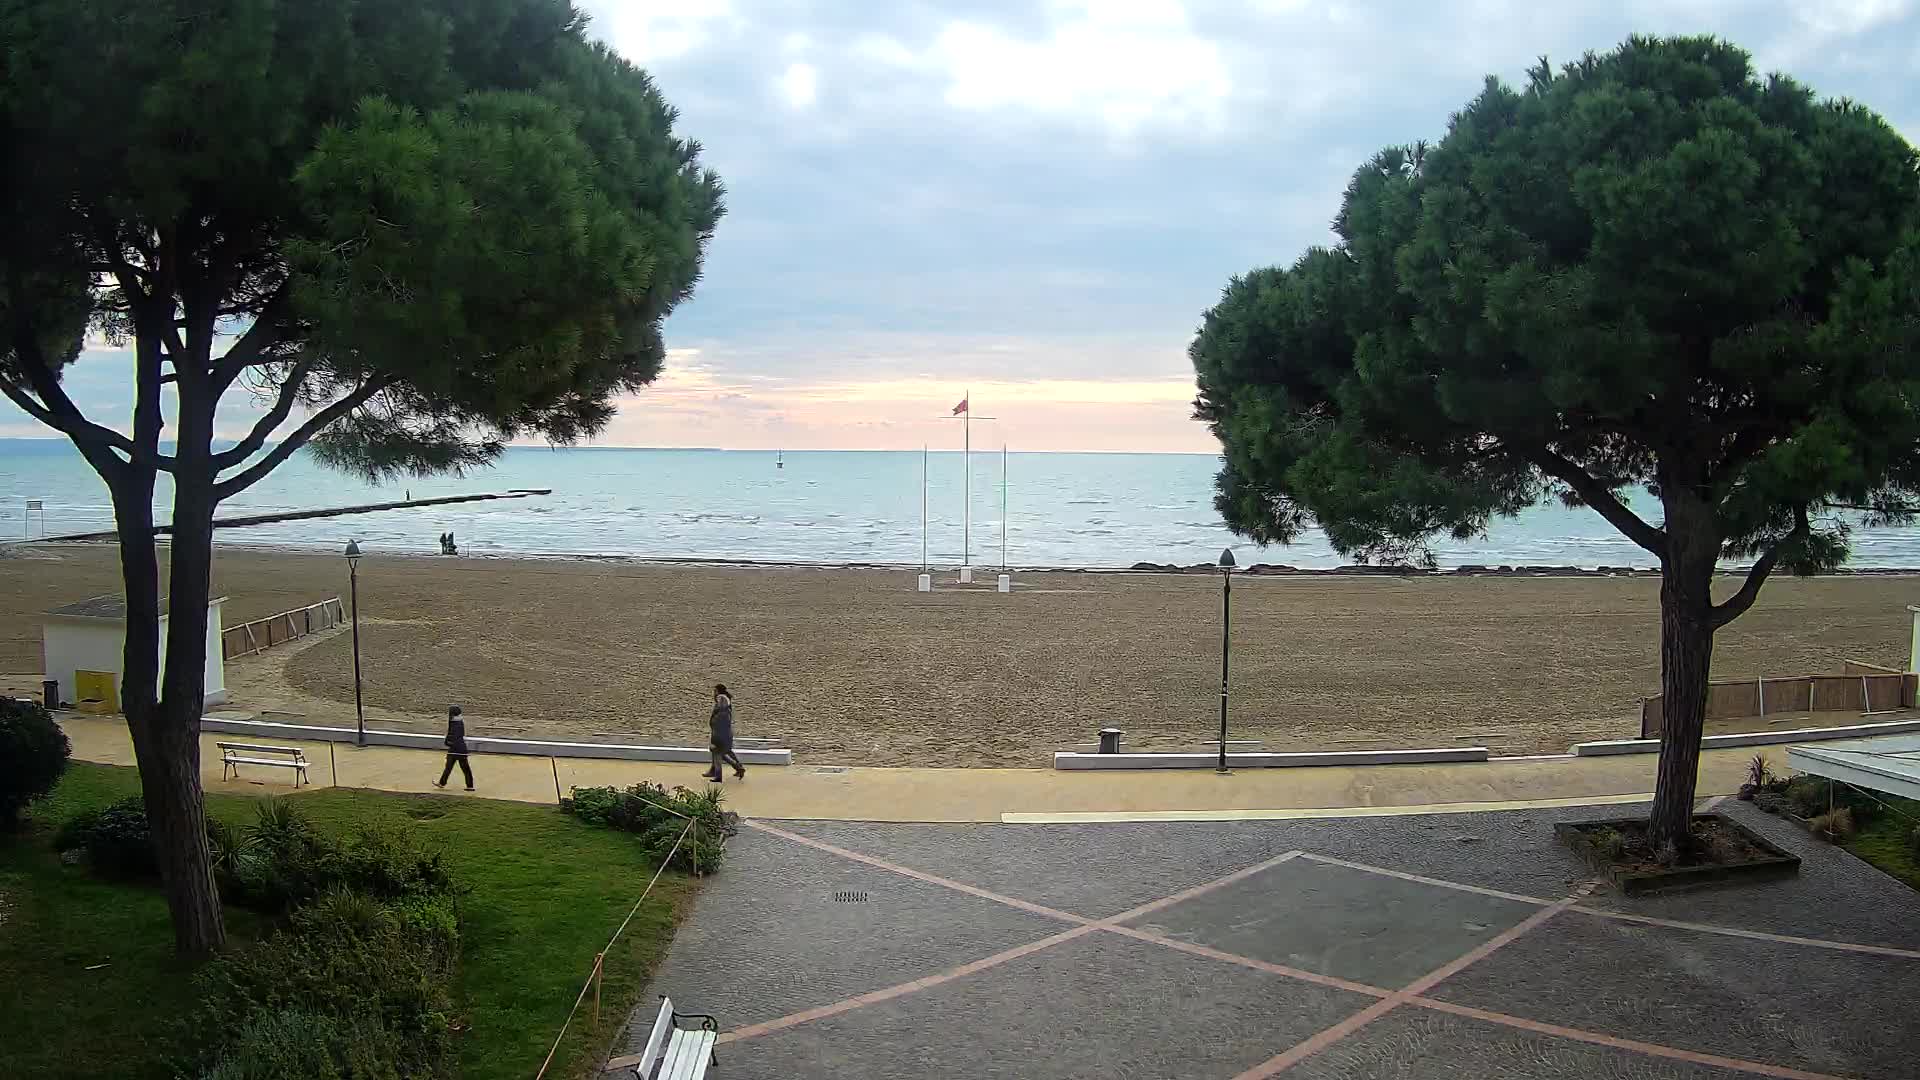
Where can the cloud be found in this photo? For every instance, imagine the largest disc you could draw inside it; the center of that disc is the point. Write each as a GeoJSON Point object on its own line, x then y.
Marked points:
{"type": "Point", "coordinates": [799, 85]}
{"type": "Point", "coordinates": [1032, 197]}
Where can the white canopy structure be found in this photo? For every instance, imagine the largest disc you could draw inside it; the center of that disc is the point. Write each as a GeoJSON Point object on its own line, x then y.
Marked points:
{"type": "Point", "coordinates": [1887, 763]}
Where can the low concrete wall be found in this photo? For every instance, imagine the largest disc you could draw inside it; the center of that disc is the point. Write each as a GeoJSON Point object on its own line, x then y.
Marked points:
{"type": "Point", "coordinates": [1075, 760]}
{"type": "Point", "coordinates": [265, 729]}
{"type": "Point", "coordinates": [1749, 738]}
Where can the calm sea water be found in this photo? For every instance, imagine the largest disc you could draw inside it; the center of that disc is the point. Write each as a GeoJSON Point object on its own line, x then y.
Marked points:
{"type": "Point", "coordinates": [826, 506]}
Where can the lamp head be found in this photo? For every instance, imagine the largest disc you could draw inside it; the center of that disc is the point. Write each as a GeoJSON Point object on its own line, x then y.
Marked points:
{"type": "Point", "coordinates": [1226, 558]}
{"type": "Point", "coordinates": [353, 553]}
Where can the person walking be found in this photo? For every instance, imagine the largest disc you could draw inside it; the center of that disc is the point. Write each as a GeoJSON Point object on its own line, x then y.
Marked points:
{"type": "Point", "coordinates": [456, 749]}
{"type": "Point", "coordinates": [721, 724]}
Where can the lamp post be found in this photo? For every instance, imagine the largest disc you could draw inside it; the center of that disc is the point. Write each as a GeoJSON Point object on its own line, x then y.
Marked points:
{"type": "Point", "coordinates": [353, 579]}
{"type": "Point", "coordinates": [1226, 644]}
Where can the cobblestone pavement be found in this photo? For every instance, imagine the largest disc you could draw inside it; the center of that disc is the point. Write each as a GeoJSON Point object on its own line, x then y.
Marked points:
{"type": "Point", "coordinates": [1410, 948]}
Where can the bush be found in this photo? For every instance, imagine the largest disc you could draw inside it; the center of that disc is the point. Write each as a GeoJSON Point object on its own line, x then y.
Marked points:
{"type": "Point", "coordinates": [283, 862]}
{"type": "Point", "coordinates": [33, 756]}
{"type": "Point", "coordinates": [659, 816]}
{"type": "Point", "coordinates": [379, 972]}
{"type": "Point", "coordinates": [117, 840]}
{"type": "Point", "coordinates": [1810, 796]}
{"type": "Point", "coordinates": [1834, 825]}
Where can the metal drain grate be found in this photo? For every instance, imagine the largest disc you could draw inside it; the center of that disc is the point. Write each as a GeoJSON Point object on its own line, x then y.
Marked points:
{"type": "Point", "coordinates": [849, 898]}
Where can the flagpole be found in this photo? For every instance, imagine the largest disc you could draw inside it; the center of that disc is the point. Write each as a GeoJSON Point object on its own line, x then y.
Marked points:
{"type": "Point", "coordinates": [966, 468]}
{"type": "Point", "coordinates": [923, 508]}
{"type": "Point", "coordinates": [1003, 506]}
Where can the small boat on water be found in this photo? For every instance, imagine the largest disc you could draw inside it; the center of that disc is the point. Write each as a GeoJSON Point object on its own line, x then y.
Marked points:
{"type": "Point", "coordinates": [779, 459]}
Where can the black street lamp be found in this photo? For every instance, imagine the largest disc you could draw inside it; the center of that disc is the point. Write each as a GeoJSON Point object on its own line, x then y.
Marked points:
{"type": "Point", "coordinates": [353, 578]}
{"type": "Point", "coordinates": [1226, 644]}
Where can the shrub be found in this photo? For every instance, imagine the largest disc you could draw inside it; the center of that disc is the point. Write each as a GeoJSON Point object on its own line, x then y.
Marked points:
{"type": "Point", "coordinates": [658, 816]}
{"type": "Point", "coordinates": [1759, 773]}
{"type": "Point", "coordinates": [295, 1044]}
{"type": "Point", "coordinates": [287, 862]}
{"type": "Point", "coordinates": [116, 838]}
{"type": "Point", "coordinates": [380, 973]}
{"type": "Point", "coordinates": [1610, 843]}
{"type": "Point", "coordinates": [33, 756]}
{"type": "Point", "coordinates": [1835, 825]}
{"type": "Point", "coordinates": [1810, 795]}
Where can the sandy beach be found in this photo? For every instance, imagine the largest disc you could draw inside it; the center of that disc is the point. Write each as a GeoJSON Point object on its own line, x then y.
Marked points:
{"type": "Point", "coordinates": [853, 666]}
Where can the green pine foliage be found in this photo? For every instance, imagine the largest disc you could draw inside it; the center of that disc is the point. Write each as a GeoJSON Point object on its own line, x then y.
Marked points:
{"type": "Point", "coordinates": [1652, 268]}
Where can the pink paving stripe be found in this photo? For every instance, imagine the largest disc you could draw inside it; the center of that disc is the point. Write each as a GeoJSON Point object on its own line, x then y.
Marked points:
{"type": "Point", "coordinates": [902, 989]}
{"type": "Point", "coordinates": [1249, 962]}
{"type": "Point", "coordinates": [1086, 926]}
{"type": "Point", "coordinates": [1757, 935]}
{"type": "Point", "coordinates": [1444, 884]}
{"type": "Point", "coordinates": [1705, 928]}
{"type": "Point", "coordinates": [1316, 1043]}
{"type": "Point", "coordinates": [1202, 889]}
{"type": "Point", "coordinates": [1672, 1053]}
{"type": "Point", "coordinates": [931, 879]}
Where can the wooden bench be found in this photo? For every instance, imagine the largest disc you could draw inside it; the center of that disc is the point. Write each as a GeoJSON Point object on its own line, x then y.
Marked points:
{"type": "Point", "coordinates": [676, 1053]}
{"type": "Point", "coordinates": [235, 754]}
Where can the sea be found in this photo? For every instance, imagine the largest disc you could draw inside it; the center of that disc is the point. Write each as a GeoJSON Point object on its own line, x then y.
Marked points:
{"type": "Point", "coordinates": [830, 507]}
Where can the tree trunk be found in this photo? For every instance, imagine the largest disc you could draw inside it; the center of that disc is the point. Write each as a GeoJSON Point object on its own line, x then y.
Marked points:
{"type": "Point", "coordinates": [166, 746]}
{"type": "Point", "coordinates": [181, 841]}
{"type": "Point", "coordinates": [1686, 659]}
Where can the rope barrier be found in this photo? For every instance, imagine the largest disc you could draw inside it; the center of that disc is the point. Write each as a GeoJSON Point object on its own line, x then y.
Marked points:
{"type": "Point", "coordinates": [594, 976]}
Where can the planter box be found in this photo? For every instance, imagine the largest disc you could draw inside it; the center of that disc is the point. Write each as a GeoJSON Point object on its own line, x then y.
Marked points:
{"type": "Point", "coordinates": [1776, 864]}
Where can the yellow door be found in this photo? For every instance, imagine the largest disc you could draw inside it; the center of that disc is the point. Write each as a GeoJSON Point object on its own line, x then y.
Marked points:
{"type": "Point", "coordinates": [97, 691]}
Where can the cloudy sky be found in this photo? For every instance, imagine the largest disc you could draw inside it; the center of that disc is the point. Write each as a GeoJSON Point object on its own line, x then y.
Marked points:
{"type": "Point", "coordinates": [1035, 201]}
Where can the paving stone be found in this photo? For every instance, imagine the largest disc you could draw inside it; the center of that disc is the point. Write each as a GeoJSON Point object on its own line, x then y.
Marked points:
{"type": "Point", "coordinates": [766, 936]}
{"type": "Point", "coordinates": [1365, 927]}
{"type": "Point", "coordinates": [1100, 1006]}
{"type": "Point", "coordinates": [1418, 1044]}
{"type": "Point", "coordinates": [1810, 1008]}
{"type": "Point", "coordinates": [1837, 896]}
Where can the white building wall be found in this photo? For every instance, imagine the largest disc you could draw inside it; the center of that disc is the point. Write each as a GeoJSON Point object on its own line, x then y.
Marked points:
{"type": "Point", "coordinates": [70, 644]}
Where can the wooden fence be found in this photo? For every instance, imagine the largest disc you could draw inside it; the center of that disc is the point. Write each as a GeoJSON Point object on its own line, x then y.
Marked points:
{"type": "Point", "coordinates": [1862, 688]}
{"type": "Point", "coordinates": [263, 634]}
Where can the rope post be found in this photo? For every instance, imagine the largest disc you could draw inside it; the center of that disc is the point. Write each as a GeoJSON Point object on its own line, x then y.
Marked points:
{"type": "Point", "coordinates": [557, 799]}
{"type": "Point", "coordinates": [599, 963]}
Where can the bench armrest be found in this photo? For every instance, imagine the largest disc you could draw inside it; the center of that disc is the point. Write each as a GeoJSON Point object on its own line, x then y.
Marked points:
{"type": "Point", "coordinates": [707, 1023]}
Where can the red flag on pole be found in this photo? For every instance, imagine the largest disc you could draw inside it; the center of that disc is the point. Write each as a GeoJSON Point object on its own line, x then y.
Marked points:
{"type": "Point", "coordinates": [960, 408]}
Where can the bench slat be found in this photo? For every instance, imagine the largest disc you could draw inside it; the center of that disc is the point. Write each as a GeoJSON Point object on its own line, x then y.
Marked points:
{"type": "Point", "coordinates": [265, 761]}
{"type": "Point", "coordinates": [260, 748]}
{"type": "Point", "coordinates": [657, 1040]}
{"type": "Point", "coordinates": [687, 1055]}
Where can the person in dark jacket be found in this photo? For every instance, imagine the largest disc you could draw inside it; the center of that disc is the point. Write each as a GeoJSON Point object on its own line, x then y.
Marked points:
{"type": "Point", "coordinates": [721, 724]}
{"type": "Point", "coordinates": [456, 749]}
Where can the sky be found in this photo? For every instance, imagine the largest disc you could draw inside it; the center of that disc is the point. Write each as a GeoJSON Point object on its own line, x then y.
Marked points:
{"type": "Point", "coordinates": [1033, 203]}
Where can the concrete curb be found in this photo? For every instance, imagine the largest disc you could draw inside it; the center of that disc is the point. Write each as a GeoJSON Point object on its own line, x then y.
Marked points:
{"type": "Point", "coordinates": [1608, 747]}
{"type": "Point", "coordinates": [1073, 760]}
{"type": "Point", "coordinates": [482, 745]}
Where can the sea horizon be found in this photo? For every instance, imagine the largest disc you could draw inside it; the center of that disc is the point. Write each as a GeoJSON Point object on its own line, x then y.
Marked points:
{"type": "Point", "coordinates": [1063, 509]}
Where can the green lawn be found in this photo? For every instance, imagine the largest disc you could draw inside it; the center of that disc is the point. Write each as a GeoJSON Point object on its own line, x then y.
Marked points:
{"type": "Point", "coordinates": [1885, 843]}
{"type": "Point", "coordinates": [547, 892]}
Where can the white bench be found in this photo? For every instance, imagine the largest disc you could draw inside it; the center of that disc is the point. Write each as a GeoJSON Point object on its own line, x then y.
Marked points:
{"type": "Point", "coordinates": [235, 754]}
{"type": "Point", "coordinates": [676, 1053]}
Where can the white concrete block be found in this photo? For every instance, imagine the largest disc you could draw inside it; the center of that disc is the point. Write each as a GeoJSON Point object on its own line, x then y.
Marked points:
{"type": "Point", "coordinates": [1076, 760]}
{"type": "Point", "coordinates": [925, 583]}
{"type": "Point", "coordinates": [966, 575]}
{"type": "Point", "coordinates": [1608, 747]}
{"type": "Point", "coordinates": [1006, 582]}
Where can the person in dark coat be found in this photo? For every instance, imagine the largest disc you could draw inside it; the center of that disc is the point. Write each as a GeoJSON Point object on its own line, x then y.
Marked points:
{"type": "Point", "coordinates": [720, 721]}
{"type": "Point", "coordinates": [456, 749]}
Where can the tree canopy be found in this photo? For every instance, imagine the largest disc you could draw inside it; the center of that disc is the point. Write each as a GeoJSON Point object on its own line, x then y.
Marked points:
{"type": "Point", "coordinates": [1648, 269]}
{"type": "Point", "coordinates": [412, 231]}
{"type": "Point", "coordinates": [434, 226]}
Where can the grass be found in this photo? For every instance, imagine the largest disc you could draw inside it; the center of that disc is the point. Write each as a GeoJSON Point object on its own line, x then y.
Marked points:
{"type": "Point", "coordinates": [546, 893]}
{"type": "Point", "coordinates": [1884, 840]}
